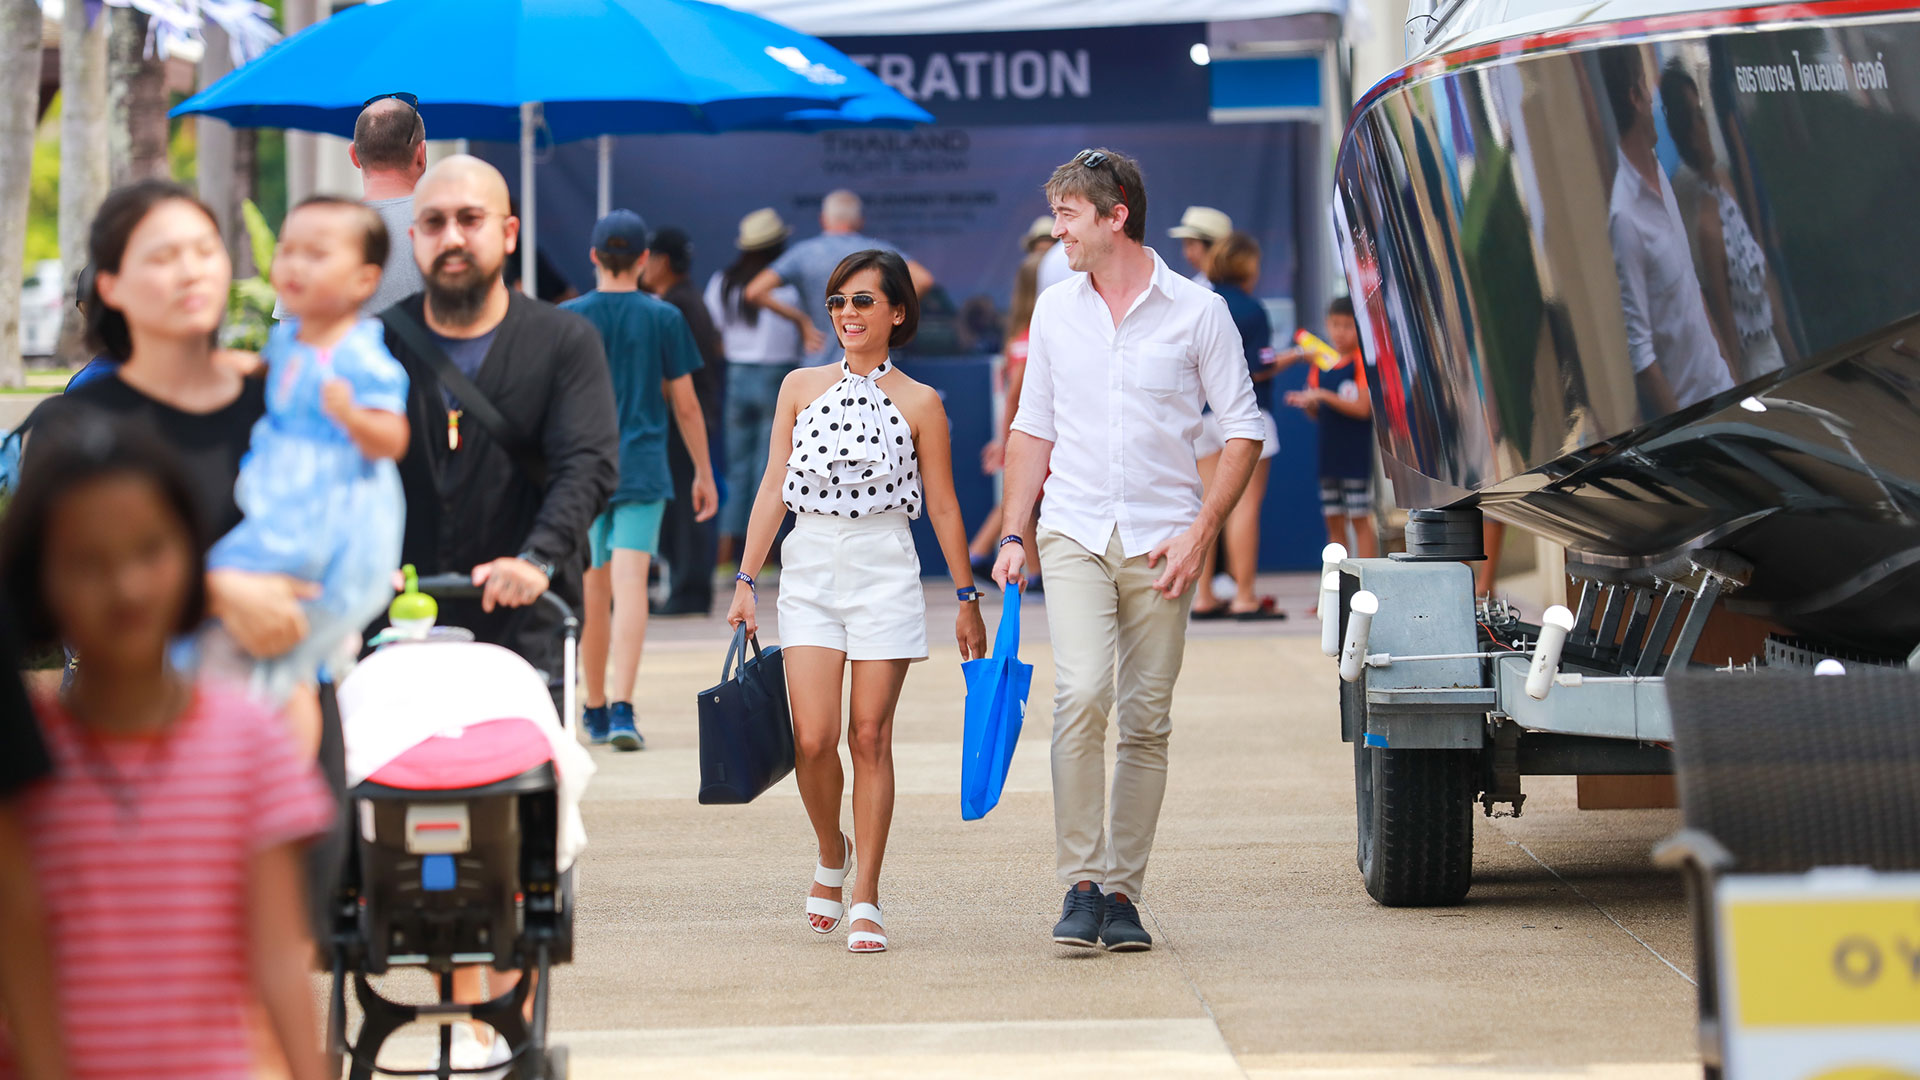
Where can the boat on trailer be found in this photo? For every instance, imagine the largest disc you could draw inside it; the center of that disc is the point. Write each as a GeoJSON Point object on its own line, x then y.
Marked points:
{"type": "Point", "coordinates": [1642, 278]}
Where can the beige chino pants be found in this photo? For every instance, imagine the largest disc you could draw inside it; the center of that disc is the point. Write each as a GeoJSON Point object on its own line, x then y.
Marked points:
{"type": "Point", "coordinates": [1109, 629]}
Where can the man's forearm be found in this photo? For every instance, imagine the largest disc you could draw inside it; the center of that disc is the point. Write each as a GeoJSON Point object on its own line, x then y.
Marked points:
{"type": "Point", "coordinates": [1229, 481]}
{"type": "Point", "coordinates": [1026, 470]}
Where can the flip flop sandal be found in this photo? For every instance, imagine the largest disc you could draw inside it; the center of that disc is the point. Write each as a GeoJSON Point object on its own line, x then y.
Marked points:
{"type": "Point", "coordinates": [832, 878]}
{"type": "Point", "coordinates": [1218, 611]}
{"type": "Point", "coordinates": [870, 913]}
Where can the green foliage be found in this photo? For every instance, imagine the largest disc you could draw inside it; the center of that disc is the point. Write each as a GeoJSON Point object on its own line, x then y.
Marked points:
{"type": "Point", "coordinates": [250, 303]}
{"type": "Point", "coordinates": [43, 200]}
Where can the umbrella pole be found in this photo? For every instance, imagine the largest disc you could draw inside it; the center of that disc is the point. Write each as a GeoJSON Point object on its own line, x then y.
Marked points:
{"type": "Point", "coordinates": [605, 204]}
{"type": "Point", "coordinates": [529, 260]}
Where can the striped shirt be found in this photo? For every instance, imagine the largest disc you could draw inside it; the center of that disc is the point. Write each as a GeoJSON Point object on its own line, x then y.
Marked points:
{"type": "Point", "coordinates": [141, 847]}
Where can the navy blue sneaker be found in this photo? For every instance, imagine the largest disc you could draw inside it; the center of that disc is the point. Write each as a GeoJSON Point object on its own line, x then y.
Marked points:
{"type": "Point", "coordinates": [596, 718]}
{"type": "Point", "coordinates": [1120, 929]}
{"type": "Point", "coordinates": [1080, 917]}
{"type": "Point", "coordinates": [620, 730]}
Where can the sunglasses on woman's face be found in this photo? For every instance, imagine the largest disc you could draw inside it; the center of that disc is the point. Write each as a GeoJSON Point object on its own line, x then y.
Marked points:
{"type": "Point", "coordinates": [860, 300]}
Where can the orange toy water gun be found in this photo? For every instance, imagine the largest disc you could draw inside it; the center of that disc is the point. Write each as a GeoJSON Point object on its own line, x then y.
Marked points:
{"type": "Point", "coordinates": [1325, 357]}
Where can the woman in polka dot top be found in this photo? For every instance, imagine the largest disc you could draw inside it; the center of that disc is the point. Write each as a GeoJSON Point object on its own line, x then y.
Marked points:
{"type": "Point", "coordinates": [858, 451]}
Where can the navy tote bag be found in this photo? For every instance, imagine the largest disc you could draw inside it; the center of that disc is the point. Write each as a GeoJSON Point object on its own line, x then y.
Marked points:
{"type": "Point", "coordinates": [746, 730]}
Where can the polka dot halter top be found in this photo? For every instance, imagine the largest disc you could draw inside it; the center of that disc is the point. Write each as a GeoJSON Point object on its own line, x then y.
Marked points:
{"type": "Point", "coordinates": [852, 452]}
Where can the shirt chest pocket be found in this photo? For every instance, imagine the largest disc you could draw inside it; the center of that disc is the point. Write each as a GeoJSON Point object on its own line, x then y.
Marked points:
{"type": "Point", "coordinates": [1159, 368]}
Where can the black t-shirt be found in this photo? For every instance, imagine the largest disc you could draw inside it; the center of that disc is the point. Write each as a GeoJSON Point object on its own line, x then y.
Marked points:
{"type": "Point", "coordinates": [23, 757]}
{"type": "Point", "coordinates": [210, 445]}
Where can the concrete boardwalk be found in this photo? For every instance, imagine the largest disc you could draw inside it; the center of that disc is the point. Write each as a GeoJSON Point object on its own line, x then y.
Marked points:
{"type": "Point", "coordinates": [1571, 958]}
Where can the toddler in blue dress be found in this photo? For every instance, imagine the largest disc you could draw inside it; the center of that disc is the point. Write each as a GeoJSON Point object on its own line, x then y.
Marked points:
{"type": "Point", "coordinates": [318, 485]}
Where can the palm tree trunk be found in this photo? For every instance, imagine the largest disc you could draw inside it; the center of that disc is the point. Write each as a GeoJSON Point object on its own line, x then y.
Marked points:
{"type": "Point", "coordinates": [83, 155]}
{"type": "Point", "coordinates": [137, 102]}
{"type": "Point", "coordinates": [19, 108]}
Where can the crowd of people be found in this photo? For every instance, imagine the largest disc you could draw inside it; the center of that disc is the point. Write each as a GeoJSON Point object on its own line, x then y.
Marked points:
{"type": "Point", "coordinates": [206, 535]}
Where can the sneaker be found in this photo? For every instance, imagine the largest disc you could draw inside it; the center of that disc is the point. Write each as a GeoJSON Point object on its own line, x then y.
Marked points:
{"type": "Point", "coordinates": [470, 1054]}
{"type": "Point", "coordinates": [1080, 917]}
{"type": "Point", "coordinates": [1120, 929]}
{"type": "Point", "coordinates": [620, 730]}
{"type": "Point", "coordinates": [595, 718]}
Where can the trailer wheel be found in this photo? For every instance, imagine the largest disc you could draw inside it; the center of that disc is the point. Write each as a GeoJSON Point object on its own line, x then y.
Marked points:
{"type": "Point", "coordinates": [1415, 810]}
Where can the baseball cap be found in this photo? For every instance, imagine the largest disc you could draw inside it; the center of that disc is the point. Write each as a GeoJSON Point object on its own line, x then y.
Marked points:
{"type": "Point", "coordinates": [621, 232]}
{"type": "Point", "coordinates": [675, 246]}
{"type": "Point", "coordinates": [1202, 223]}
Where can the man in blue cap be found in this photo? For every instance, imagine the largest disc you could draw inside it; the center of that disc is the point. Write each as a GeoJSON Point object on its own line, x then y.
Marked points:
{"type": "Point", "coordinates": [653, 357]}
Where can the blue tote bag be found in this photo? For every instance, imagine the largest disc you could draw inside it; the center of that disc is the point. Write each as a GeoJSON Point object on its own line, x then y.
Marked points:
{"type": "Point", "coordinates": [996, 704]}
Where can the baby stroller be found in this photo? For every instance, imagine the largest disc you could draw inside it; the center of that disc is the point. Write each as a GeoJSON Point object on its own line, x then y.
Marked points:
{"type": "Point", "coordinates": [464, 789]}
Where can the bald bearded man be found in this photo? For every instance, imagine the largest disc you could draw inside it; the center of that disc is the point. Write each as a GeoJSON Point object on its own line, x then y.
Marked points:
{"type": "Point", "coordinates": [511, 508]}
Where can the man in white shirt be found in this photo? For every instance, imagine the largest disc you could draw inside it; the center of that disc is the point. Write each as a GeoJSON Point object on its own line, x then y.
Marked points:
{"type": "Point", "coordinates": [1122, 358]}
{"type": "Point", "coordinates": [1677, 359]}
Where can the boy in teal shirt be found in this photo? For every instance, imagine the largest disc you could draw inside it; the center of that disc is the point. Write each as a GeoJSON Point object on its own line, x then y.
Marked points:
{"type": "Point", "coordinates": [653, 356]}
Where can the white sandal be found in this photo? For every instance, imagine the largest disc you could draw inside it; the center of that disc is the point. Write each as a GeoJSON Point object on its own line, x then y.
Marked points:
{"type": "Point", "coordinates": [871, 913]}
{"type": "Point", "coordinates": [833, 879]}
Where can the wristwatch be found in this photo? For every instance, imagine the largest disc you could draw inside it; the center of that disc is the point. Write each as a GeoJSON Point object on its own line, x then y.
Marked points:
{"type": "Point", "coordinates": [537, 563]}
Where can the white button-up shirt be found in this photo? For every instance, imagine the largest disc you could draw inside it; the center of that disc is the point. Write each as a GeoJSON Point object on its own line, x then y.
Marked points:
{"type": "Point", "coordinates": [1121, 406]}
{"type": "Point", "coordinates": [1666, 317]}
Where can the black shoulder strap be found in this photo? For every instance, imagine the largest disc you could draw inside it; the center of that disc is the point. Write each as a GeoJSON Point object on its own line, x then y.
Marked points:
{"type": "Point", "coordinates": [474, 403]}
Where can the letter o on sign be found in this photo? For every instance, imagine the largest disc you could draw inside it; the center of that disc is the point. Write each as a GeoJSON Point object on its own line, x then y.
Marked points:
{"type": "Point", "coordinates": [1856, 961]}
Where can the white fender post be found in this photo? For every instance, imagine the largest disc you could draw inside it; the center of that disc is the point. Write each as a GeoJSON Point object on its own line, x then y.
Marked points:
{"type": "Point", "coordinates": [1353, 658]}
{"type": "Point", "coordinates": [1555, 625]}
{"type": "Point", "coordinates": [1331, 557]}
{"type": "Point", "coordinates": [1330, 613]}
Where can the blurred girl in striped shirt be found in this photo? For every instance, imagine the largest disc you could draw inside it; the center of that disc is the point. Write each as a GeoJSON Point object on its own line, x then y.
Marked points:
{"type": "Point", "coordinates": [167, 843]}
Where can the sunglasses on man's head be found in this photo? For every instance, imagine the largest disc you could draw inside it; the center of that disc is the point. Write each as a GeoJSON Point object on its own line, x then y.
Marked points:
{"type": "Point", "coordinates": [1093, 159]}
{"type": "Point", "coordinates": [860, 300]}
{"type": "Point", "coordinates": [412, 101]}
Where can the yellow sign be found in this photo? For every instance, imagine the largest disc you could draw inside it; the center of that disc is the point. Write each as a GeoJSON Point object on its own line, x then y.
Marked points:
{"type": "Point", "coordinates": [1809, 963]}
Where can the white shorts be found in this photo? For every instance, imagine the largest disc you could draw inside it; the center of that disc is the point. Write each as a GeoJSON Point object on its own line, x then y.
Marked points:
{"type": "Point", "coordinates": [1212, 440]}
{"type": "Point", "coordinates": [853, 585]}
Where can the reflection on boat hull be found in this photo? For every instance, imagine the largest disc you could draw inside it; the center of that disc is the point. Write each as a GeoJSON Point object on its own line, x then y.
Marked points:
{"type": "Point", "coordinates": [1574, 264]}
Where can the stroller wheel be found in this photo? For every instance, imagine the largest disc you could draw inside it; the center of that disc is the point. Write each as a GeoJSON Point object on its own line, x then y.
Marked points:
{"type": "Point", "coordinates": [557, 1063]}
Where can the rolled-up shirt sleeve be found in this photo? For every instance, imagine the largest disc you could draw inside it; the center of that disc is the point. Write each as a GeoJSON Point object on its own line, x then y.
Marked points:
{"type": "Point", "coordinates": [1223, 375]}
{"type": "Point", "coordinates": [1035, 416]}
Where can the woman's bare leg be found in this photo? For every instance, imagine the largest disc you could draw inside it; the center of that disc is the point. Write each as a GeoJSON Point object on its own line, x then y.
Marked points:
{"type": "Point", "coordinates": [876, 692]}
{"type": "Point", "coordinates": [814, 678]}
{"type": "Point", "coordinates": [1203, 597]}
{"type": "Point", "coordinates": [1243, 539]}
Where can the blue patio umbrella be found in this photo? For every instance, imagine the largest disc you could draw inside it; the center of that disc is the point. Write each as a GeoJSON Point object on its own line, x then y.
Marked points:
{"type": "Point", "coordinates": [503, 69]}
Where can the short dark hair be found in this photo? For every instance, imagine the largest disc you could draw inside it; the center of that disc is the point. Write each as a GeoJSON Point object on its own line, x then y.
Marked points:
{"type": "Point", "coordinates": [675, 246]}
{"type": "Point", "coordinates": [120, 213]}
{"type": "Point", "coordinates": [1113, 182]}
{"type": "Point", "coordinates": [375, 243]}
{"type": "Point", "coordinates": [1341, 305]}
{"type": "Point", "coordinates": [617, 262]}
{"type": "Point", "coordinates": [384, 135]}
{"type": "Point", "coordinates": [70, 449]}
{"type": "Point", "coordinates": [895, 281]}
{"type": "Point", "coordinates": [1675, 85]}
{"type": "Point", "coordinates": [1621, 70]}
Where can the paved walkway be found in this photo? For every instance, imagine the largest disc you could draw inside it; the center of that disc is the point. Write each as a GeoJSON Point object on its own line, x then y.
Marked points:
{"type": "Point", "coordinates": [1571, 958]}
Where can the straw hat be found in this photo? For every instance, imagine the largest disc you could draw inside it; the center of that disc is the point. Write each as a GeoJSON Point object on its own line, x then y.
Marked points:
{"type": "Point", "coordinates": [1041, 229]}
{"type": "Point", "coordinates": [1202, 223]}
{"type": "Point", "coordinates": [762, 228]}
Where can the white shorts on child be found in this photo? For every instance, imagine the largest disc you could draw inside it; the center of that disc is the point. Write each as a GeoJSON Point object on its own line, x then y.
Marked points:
{"type": "Point", "coordinates": [853, 585]}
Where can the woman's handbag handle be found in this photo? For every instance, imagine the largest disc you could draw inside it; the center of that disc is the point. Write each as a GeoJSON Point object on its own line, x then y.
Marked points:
{"type": "Point", "coordinates": [736, 662]}
{"type": "Point", "coordinates": [1006, 641]}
